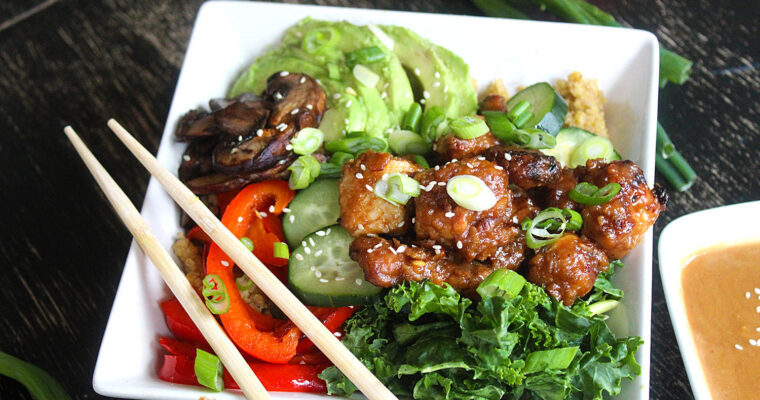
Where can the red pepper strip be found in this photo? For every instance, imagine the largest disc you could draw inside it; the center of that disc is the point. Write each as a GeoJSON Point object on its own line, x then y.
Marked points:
{"type": "Point", "coordinates": [180, 324]}
{"type": "Point", "coordinates": [274, 377]}
{"type": "Point", "coordinates": [180, 348]}
{"type": "Point", "coordinates": [196, 234]}
{"type": "Point", "coordinates": [333, 320]}
{"type": "Point", "coordinates": [311, 358]}
{"type": "Point", "coordinates": [249, 329]}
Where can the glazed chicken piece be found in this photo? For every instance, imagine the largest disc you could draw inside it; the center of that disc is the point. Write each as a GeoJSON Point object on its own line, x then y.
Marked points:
{"type": "Point", "coordinates": [555, 194]}
{"type": "Point", "coordinates": [362, 212]}
{"type": "Point", "coordinates": [476, 235]}
{"type": "Point", "coordinates": [387, 263]}
{"type": "Point", "coordinates": [567, 268]}
{"type": "Point", "coordinates": [526, 168]}
{"type": "Point", "coordinates": [618, 225]}
{"type": "Point", "coordinates": [450, 147]}
{"type": "Point", "coordinates": [522, 205]}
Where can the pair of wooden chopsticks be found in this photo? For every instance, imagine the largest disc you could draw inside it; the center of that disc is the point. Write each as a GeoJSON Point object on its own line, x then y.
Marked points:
{"type": "Point", "coordinates": [245, 260]}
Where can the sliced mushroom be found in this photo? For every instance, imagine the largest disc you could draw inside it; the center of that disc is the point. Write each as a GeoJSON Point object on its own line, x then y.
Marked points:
{"type": "Point", "coordinates": [196, 161]}
{"type": "Point", "coordinates": [195, 124]}
{"type": "Point", "coordinates": [216, 183]}
{"type": "Point", "coordinates": [242, 118]}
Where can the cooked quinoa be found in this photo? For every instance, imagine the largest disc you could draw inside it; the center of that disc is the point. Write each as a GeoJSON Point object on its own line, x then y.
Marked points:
{"type": "Point", "coordinates": [496, 87]}
{"type": "Point", "coordinates": [190, 257]}
{"type": "Point", "coordinates": [585, 103]}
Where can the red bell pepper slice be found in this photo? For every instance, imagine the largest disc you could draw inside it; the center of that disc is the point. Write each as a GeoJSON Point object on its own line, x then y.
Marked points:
{"type": "Point", "coordinates": [181, 348]}
{"type": "Point", "coordinates": [274, 377]}
{"type": "Point", "coordinates": [180, 324]}
{"type": "Point", "coordinates": [249, 329]}
{"type": "Point", "coordinates": [332, 318]}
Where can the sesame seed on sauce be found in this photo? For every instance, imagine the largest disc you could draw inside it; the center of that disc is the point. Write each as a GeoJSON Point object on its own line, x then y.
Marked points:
{"type": "Point", "coordinates": [284, 73]}
{"type": "Point", "coordinates": [392, 250]}
{"type": "Point", "coordinates": [401, 249]}
{"type": "Point", "coordinates": [437, 246]}
{"type": "Point", "coordinates": [302, 80]}
{"type": "Point", "coordinates": [299, 257]}
{"type": "Point", "coordinates": [757, 309]}
{"type": "Point", "coordinates": [437, 167]}
{"type": "Point", "coordinates": [338, 334]}
{"type": "Point", "coordinates": [441, 183]}
{"type": "Point", "coordinates": [309, 107]}
{"type": "Point", "coordinates": [359, 175]}
{"type": "Point", "coordinates": [747, 295]}
{"type": "Point", "coordinates": [289, 147]}
{"type": "Point", "coordinates": [186, 157]}
{"type": "Point", "coordinates": [453, 160]}
{"type": "Point", "coordinates": [507, 156]}
{"type": "Point", "coordinates": [259, 132]}
{"type": "Point", "coordinates": [240, 219]}
{"type": "Point", "coordinates": [295, 111]}
{"type": "Point", "coordinates": [430, 211]}
{"type": "Point", "coordinates": [263, 214]}
{"type": "Point", "coordinates": [757, 290]}
{"type": "Point", "coordinates": [281, 127]}
{"type": "Point", "coordinates": [499, 167]}
{"type": "Point", "coordinates": [363, 168]}
{"type": "Point", "coordinates": [738, 347]}
{"type": "Point", "coordinates": [369, 188]}
{"type": "Point", "coordinates": [271, 209]}
{"type": "Point", "coordinates": [753, 342]}
{"type": "Point", "coordinates": [371, 235]}
{"type": "Point", "coordinates": [225, 263]}
{"type": "Point", "coordinates": [459, 244]}
{"type": "Point", "coordinates": [414, 219]}
{"type": "Point", "coordinates": [449, 214]}
{"type": "Point", "coordinates": [469, 165]}
{"type": "Point", "coordinates": [278, 96]}
{"type": "Point", "coordinates": [377, 245]}
{"type": "Point", "coordinates": [360, 227]}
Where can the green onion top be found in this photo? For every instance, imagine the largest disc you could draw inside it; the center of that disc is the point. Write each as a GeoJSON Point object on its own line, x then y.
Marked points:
{"type": "Point", "coordinates": [470, 192]}
{"type": "Point", "coordinates": [366, 55]}
{"type": "Point", "coordinates": [468, 127]}
{"type": "Point", "coordinates": [247, 242]}
{"type": "Point", "coordinates": [397, 188]}
{"type": "Point", "coordinates": [280, 250]}
{"type": "Point", "coordinates": [407, 142]}
{"type": "Point", "coordinates": [208, 370]}
{"type": "Point", "coordinates": [590, 195]}
{"type": "Point", "coordinates": [320, 39]}
{"type": "Point", "coordinates": [307, 141]}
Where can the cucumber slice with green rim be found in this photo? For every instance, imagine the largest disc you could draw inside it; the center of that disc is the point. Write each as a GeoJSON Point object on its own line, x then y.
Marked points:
{"type": "Point", "coordinates": [322, 274]}
{"type": "Point", "coordinates": [575, 146]}
{"type": "Point", "coordinates": [546, 105]}
{"type": "Point", "coordinates": [310, 210]}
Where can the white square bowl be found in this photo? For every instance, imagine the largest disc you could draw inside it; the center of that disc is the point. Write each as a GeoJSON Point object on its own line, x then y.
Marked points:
{"type": "Point", "coordinates": [680, 241]}
{"type": "Point", "coordinates": [228, 36]}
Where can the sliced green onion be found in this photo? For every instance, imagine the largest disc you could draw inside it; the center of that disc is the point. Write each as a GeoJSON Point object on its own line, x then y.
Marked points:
{"type": "Point", "coordinates": [538, 139]}
{"type": "Point", "coordinates": [397, 188]}
{"type": "Point", "coordinates": [356, 145]}
{"type": "Point", "coordinates": [421, 161]}
{"type": "Point", "coordinates": [468, 127]}
{"type": "Point", "coordinates": [215, 293]}
{"type": "Point", "coordinates": [601, 307]}
{"type": "Point", "coordinates": [470, 192]}
{"type": "Point", "coordinates": [307, 141]}
{"type": "Point", "coordinates": [431, 120]}
{"type": "Point", "coordinates": [381, 36]}
{"type": "Point", "coordinates": [366, 76]}
{"type": "Point", "coordinates": [339, 158]}
{"type": "Point", "coordinates": [588, 194]}
{"type": "Point", "coordinates": [333, 71]}
{"type": "Point", "coordinates": [676, 170]}
{"type": "Point", "coordinates": [500, 125]}
{"type": "Point", "coordinates": [281, 250]}
{"type": "Point", "coordinates": [412, 118]}
{"type": "Point", "coordinates": [208, 370]}
{"type": "Point", "coordinates": [243, 283]}
{"type": "Point", "coordinates": [317, 40]}
{"type": "Point", "coordinates": [538, 233]}
{"type": "Point", "coordinates": [367, 55]}
{"type": "Point", "coordinates": [571, 218]}
{"type": "Point", "coordinates": [330, 170]}
{"type": "Point", "coordinates": [664, 146]}
{"type": "Point", "coordinates": [247, 242]}
{"type": "Point", "coordinates": [40, 384]}
{"type": "Point", "coordinates": [522, 119]}
{"type": "Point", "coordinates": [519, 109]}
{"type": "Point", "coordinates": [574, 219]}
{"type": "Point", "coordinates": [591, 148]}
{"type": "Point", "coordinates": [303, 171]}
{"type": "Point", "coordinates": [407, 142]}
{"type": "Point", "coordinates": [502, 282]}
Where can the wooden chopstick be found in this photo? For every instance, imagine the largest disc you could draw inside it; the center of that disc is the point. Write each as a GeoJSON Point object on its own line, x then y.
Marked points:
{"type": "Point", "coordinates": [174, 278]}
{"type": "Point", "coordinates": [368, 383]}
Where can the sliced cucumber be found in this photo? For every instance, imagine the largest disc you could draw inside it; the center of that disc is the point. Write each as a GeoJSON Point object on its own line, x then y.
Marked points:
{"type": "Point", "coordinates": [322, 274]}
{"type": "Point", "coordinates": [575, 146]}
{"type": "Point", "coordinates": [546, 105]}
{"type": "Point", "coordinates": [312, 209]}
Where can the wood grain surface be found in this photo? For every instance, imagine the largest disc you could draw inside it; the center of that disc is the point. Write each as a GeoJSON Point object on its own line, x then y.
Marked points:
{"type": "Point", "coordinates": [80, 62]}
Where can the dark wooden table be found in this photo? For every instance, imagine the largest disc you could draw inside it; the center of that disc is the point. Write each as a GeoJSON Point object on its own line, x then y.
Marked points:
{"type": "Point", "coordinates": [80, 62]}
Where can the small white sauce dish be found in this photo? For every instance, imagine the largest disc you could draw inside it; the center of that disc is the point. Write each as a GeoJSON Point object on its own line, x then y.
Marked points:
{"type": "Point", "coordinates": [679, 242]}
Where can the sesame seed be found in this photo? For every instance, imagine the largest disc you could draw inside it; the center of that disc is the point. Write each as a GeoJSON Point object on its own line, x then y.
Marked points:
{"type": "Point", "coordinates": [757, 291]}
{"type": "Point", "coordinates": [499, 167]}
{"type": "Point", "coordinates": [186, 157]}
{"type": "Point", "coordinates": [323, 280]}
{"type": "Point", "coordinates": [289, 147]}
{"type": "Point", "coordinates": [417, 71]}
{"type": "Point", "coordinates": [437, 75]}
{"type": "Point", "coordinates": [437, 167]}
{"type": "Point", "coordinates": [446, 89]}
{"type": "Point", "coordinates": [340, 278]}
{"type": "Point", "coordinates": [360, 227]}
{"type": "Point", "coordinates": [401, 248]}
{"type": "Point", "coordinates": [459, 244]}
{"type": "Point", "coordinates": [277, 96]}
{"type": "Point", "coordinates": [413, 219]}
{"type": "Point", "coordinates": [318, 81]}
{"type": "Point", "coordinates": [336, 96]}
{"type": "Point", "coordinates": [282, 161]}
{"type": "Point", "coordinates": [358, 281]}
{"type": "Point", "coordinates": [437, 251]}
{"type": "Point", "coordinates": [263, 214]}
{"type": "Point", "coordinates": [449, 214]}
{"type": "Point", "coordinates": [285, 210]}
{"type": "Point", "coordinates": [295, 111]}
{"type": "Point", "coordinates": [348, 103]}
{"type": "Point", "coordinates": [318, 253]}
{"type": "Point", "coordinates": [271, 209]}
{"type": "Point", "coordinates": [437, 246]}
{"type": "Point", "coordinates": [302, 80]}
{"type": "Point", "coordinates": [369, 188]}
{"type": "Point", "coordinates": [311, 242]}
{"type": "Point", "coordinates": [359, 175]}
{"type": "Point", "coordinates": [281, 127]}
{"type": "Point", "coordinates": [436, 84]}
{"type": "Point", "coordinates": [401, 224]}
{"type": "Point", "coordinates": [363, 168]}
{"type": "Point", "coordinates": [515, 220]}
{"type": "Point", "coordinates": [377, 245]}
{"type": "Point", "coordinates": [468, 165]}
{"type": "Point", "coordinates": [481, 158]}
{"type": "Point", "coordinates": [309, 107]}
{"type": "Point", "coordinates": [369, 251]}
{"type": "Point", "coordinates": [303, 243]}
{"type": "Point", "coordinates": [284, 73]}
{"type": "Point", "coordinates": [441, 183]}
{"type": "Point", "coordinates": [259, 132]}
{"type": "Point", "coordinates": [392, 250]}
{"type": "Point", "coordinates": [307, 250]}
{"type": "Point", "coordinates": [738, 347]}
{"type": "Point", "coordinates": [240, 219]}
{"type": "Point", "coordinates": [408, 95]}
{"type": "Point", "coordinates": [422, 101]}
{"type": "Point", "coordinates": [757, 309]}
{"type": "Point", "coordinates": [318, 274]}
{"type": "Point", "coordinates": [383, 95]}
{"type": "Point", "coordinates": [312, 268]}
{"type": "Point", "coordinates": [757, 329]}
{"type": "Point", "coordinates": [426, 94]}
{"type": "Point", "coordinates": [299, 257]}
{"type": "Point", "coordinates": [430, 211]}
{"type": "Point", "coordinates": [292, 219]}
{"type": "Point", "coordinates": [320, 233]}
{"type": "Point", "coordinates": [351, 91]}
{"type": "Point", "coordinates": [345, 121]}
{"type": "Point", "coordinates": [747, 295]}
{"type": "Point", "coordinates": [225, 263]}
{"type": "Point", "coordinates": [371, 235]}
{"type": "Point", "coordinates": [453, 160]}
{"type": "Point", "coordinates": [327, 232]}
{"type": "Point", "coordinates": [507, 156]}
{"type": "Point", "coordinates": [338, 334]}
{"type": "Point", "coordinates": [753, 342]}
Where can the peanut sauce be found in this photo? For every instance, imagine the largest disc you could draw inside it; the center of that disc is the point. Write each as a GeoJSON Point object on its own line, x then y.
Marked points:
{"type": "Point", "coordinates": [721, 290]}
